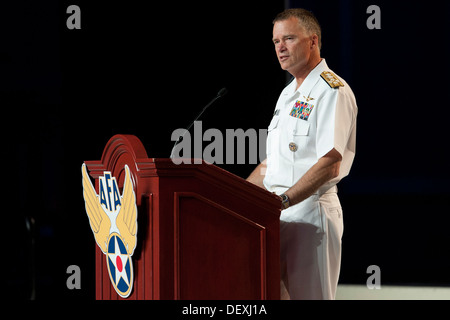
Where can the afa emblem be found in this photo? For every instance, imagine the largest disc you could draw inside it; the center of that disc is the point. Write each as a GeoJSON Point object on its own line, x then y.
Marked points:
{"type": "Point", "coordinates": [113, 220]}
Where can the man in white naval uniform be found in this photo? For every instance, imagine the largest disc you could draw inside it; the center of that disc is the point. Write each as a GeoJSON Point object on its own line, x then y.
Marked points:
{"type": "Point", "coordinates": [310, 148]}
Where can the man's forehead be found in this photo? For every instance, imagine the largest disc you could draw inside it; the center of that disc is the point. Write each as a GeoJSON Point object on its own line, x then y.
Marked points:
{"type": "Point", "coordinates": [288, 26]}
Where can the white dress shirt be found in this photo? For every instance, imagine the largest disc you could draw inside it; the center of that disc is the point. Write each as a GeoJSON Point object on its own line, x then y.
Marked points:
{"type": "Point", "coordinates": [308, 123]}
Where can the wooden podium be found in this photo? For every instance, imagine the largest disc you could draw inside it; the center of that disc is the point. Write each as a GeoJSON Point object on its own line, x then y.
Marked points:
{"type": "Point", "coordinates": [203, 233]}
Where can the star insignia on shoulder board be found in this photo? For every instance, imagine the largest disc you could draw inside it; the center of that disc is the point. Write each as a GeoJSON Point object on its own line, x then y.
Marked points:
{"type": "Point", "coordinates": [332, 80]}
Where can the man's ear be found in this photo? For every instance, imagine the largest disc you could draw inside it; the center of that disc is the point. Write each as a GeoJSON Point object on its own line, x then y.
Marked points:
{"type": "Point", "coordinates": [314, 41]}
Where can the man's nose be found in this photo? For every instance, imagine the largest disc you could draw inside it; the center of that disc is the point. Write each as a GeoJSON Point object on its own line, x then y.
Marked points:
{"type": "Point", "coordinates": [281, 47]}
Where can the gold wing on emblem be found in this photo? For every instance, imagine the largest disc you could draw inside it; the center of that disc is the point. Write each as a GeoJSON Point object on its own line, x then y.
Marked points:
{"type": "Point", "coordinates": [100, 222]}
{"type": "Point", "coordinates": [127, 217]}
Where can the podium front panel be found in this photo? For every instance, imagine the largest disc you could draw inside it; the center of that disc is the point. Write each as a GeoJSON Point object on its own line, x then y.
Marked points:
{"type": "Point", "coordinates": [220, 254]}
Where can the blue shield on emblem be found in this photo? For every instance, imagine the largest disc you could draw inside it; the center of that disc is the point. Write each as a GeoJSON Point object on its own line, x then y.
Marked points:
{"type": "Point", "coordinates": [119, 266]}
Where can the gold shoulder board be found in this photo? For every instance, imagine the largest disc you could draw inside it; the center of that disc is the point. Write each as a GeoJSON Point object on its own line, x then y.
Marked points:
{"type": "Point", "coordinates": [331, 79]}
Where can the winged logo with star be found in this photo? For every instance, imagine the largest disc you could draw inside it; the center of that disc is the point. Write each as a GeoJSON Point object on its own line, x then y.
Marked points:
{"type": "Point", "coordinates": [113, 220]}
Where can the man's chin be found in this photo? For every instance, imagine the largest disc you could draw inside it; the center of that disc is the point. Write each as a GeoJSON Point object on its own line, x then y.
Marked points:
{"type": "Point", "coordinates": [284, 67]}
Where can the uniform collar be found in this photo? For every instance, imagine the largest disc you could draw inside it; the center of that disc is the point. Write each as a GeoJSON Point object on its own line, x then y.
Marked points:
{"type": "Point", "coordinates": [309, 82]}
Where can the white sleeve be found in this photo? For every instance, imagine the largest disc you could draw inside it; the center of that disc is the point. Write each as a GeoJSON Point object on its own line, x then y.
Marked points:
{"type": "Point", "coordinates": [335, 120]}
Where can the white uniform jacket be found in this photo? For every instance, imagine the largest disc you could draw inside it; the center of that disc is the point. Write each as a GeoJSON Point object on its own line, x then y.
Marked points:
{"type": "Point", "coordinates": [308, 123]}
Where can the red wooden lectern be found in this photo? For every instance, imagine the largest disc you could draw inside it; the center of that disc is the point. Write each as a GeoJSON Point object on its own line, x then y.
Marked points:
{"type": "Point", "coordinates": [203, 233]}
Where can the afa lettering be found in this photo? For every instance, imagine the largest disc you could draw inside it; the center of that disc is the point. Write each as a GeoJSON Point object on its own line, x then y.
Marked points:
{"type": "Point", "coordinates": [109, 192]}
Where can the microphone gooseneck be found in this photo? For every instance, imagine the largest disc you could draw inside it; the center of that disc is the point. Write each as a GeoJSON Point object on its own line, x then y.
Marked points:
{"type": "Point", "coordinates": [222, 92]}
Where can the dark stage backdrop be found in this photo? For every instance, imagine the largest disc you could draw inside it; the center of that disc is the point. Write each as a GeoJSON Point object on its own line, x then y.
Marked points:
{"type": "Point", "coordinates": [395, 199]}
{"type": "Point", "coordinates": [148, 69]}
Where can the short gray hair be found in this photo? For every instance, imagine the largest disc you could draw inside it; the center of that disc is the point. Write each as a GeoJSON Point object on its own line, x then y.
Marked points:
{"type": "Point", "coordinates": [307, 19]}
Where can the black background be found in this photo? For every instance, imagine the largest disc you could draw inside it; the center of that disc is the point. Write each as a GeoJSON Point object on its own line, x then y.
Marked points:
{"type": "Point", "coordinates": [148, 69]}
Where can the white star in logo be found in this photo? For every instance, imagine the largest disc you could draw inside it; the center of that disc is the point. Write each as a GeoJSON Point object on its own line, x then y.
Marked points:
{"type": "Point", "coordinates": [119, 260]}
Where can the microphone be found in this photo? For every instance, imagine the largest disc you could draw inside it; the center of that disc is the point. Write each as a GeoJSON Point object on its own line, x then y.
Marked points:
{"type": "Point", "coordinates": [222, 92]}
